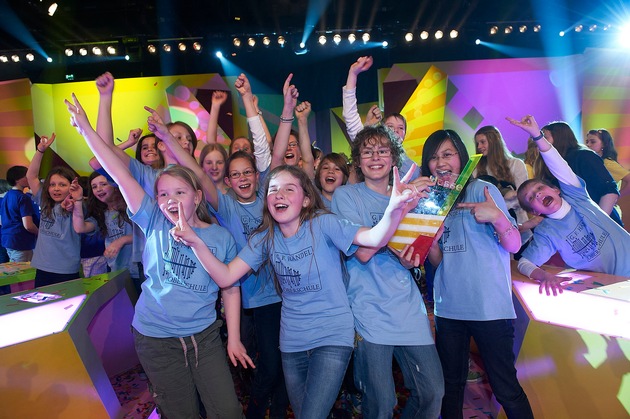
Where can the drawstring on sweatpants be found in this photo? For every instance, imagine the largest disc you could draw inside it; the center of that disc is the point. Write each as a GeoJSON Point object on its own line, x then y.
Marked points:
{"type": "Point", "coordinates": [185, 348]}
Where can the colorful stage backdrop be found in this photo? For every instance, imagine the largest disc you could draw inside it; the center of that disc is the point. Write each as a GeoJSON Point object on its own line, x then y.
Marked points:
{"type": "Point", "coordinates": [583, 90]}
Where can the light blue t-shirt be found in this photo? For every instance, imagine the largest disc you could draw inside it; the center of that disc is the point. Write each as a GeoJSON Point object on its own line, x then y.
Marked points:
{"type": "Point", "coordinates": [144, 175]}
{"type": "Point", "coordinates": [58, 246]}
{"type": "Point", "coordinates": [474, 280]}
{"type": "Point", "coordinates": [586, 238]}
{"type": "Point", "coordinates": [315, 309]}
{"type": "Point", "coordinates": [257, 289]}
{"type": "Point", "coordinates": [116, 230]}
{"type": "Point", "coordinates": [178, 297]}
{"type": "Point", "coordinates": [385, 300]}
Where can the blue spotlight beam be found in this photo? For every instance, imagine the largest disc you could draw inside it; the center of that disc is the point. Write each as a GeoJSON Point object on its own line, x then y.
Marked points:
{"type": "Point", "coordinates": [14, 26]}
{"type": "Point", "coordinates": [315, 10]}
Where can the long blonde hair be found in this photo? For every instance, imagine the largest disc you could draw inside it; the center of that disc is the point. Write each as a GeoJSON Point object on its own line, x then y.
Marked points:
{"type": "Point", "coordinates": [189, 177]}
{"type": "Point", "coordinates": [497, 158]}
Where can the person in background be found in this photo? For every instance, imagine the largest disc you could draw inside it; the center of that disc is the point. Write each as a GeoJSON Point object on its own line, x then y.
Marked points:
{"type": "Point", "coordinates": [601, 142]}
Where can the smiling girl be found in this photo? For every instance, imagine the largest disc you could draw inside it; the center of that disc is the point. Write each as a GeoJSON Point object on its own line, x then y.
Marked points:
{"type": "Point", "coordinates": [175, 314]}
{"type": "Point", "coordinates": [331, 173]}
{"type": "Point", "coordinates": [473, 287]}
{"type": "Point", "coordinates": [57, 251]}
{"type": "Point", "coordinates": [301, 241]}
{"type": "Point", "coordinates": [108, 210]}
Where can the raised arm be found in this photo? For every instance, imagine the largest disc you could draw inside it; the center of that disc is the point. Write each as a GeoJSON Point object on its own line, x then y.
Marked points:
{"type": "Point", "coordinates": [157, 126]}
{"type": "Point", "coordinates": [302, 111]}
{"type": "Point", "coordinates": [264, 125]}
{"type": "Point", "coordinates": [218, 99]}
{"type": "Point", "coordinates": [132, 140]}
{"type": "Point", "coordinates": [262, 152]}
{"type": "Point", "coordinates": [290, 93]}
{"type": "Point", "coordinates": [554, 161]}
{"type": "Point", "coordinates": [350, 111]}
{"type": "Point", "coordinates": [129, 187]}
{"type": "Point", "coordinates": [32, 174]}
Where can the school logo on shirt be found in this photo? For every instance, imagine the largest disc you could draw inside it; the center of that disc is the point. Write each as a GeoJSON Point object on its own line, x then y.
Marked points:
{"type": "Point", "coordinates": [289, 268]}
{"type": "Point", "coordinates": [453, 247]}
{"type": "Point", "coordinates": [179, 267]}
{"type": "Point", "coordinates": [249, 224]}
{"type": "Point", "coordinates": [48, 224]}
{"type": "Point", "coordinates": [584, 243]}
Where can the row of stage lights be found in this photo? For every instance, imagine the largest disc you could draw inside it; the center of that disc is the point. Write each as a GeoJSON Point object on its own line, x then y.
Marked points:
{"type": "Point", "coordinates": [153, 47]}
{"type": "Point", "coordinates": [95, 50]}
{"type": "Point", "coordinates": [494, 29]}
{"type": "Point", "coordinates": [16, 58]}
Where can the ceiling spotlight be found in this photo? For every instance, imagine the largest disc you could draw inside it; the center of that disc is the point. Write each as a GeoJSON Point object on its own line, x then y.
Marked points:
{"type": "Point", "coordinates": [197, 46]}
{"type": "Point", "coordinates": [281, 40]}
{"type": "Point", "coordinates": [166, 48]}
{"type": "Point", "coordinates": [453, 34]}
{"type": "Point", "coordinates": [302, 45]}
{"type": "Point", "coordinates": [83, 52]}
{"type": "Point", "coordinates": [365, 37]}
{"type": "Point", "coordinates": [151, 48]}
{"type": "Point", "coordinates": [49, 59]}
{"type": "Point", "coordinates": [127, 57]}
{"type": "Point", "coordinates": [181, 46]}
{"type": "Point", "coordinates": [321, 40]}
{"type": "Point", "coordinates": [408, 37]}
{"type": "Point", "coordinates": [219, 54]}
{"type": "Point", "coordinates": [477, 41]}
{"type": "Point", "coordinates": [606, 27]}
{"type": "Point", "coordinates": [266, 41]}
{"type": "Point", "coordinates": [52, 9]}
{"type": "Point", "coordinates": [236, 42]}
{"type": "Point", "coordinates": [4, 59]}
{"type": "Point", "coordinates": [579, 28]}
{"type": "Point", "coordinates": [351, 38]}
{"type": "Point", "coordinates": [251, 42]}
{"type": "Point", "coordinates": [522, 28]}
{"type": "Point", "coordinates": [384, 44]}
{"type": "Point", "coordinates": [97, 51]}
{"type": "Point", "coordinates": [69, 52]}
{"type": "Point", "coordinates": [15, 58]}
{"type": "Point", "coordinates": [111, 50]}
{"type": "Point", "coordinates": [494, 30]}
{"type": "Point", "coordinates": [424, 35]}
{"type": "Point", "coordinates": [561, 33]}
{"type": "Point", "coordinates": [30, 56]}
{"type": "Point", "coordinates": [337, 38]}
{"type": "Point", "coordinates": [537, 28]}
{"type": "Point", "coordinates": [439, 34]}
{"type": "Point", "coordinates": [508, 29]}
{"type": "Point", "coordinates": [592, 28]}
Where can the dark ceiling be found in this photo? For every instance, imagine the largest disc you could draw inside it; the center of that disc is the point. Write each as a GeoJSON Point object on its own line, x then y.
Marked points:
{"type": "Point", "coordinates": [133, 24]}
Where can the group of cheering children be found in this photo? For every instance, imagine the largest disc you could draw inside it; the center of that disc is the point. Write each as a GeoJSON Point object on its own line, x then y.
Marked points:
{"type": "Point", "coordinates": [305, 250]}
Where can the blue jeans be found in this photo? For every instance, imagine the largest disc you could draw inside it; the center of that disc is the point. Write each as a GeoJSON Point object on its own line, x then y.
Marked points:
{"type": "Point", "coordinates": [313, 379]}
{"type": "Point", "coordinates": [421, 370]}
{"type": "Point", "coordinates": [268, 377]}
{"type": "Point", "coordinates": [495, 340]}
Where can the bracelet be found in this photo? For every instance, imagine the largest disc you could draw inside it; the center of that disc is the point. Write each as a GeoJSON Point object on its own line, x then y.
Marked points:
{"type": "Point", "coordinates": [37, 148]}
{"type": "Point", "coordinates": [287, 120]}
{"type": "Point", "coordinates": [77, 200]}
{"type": "Point", "coordinates": [260, 113]}
{"type": "Point", "coordinates": [505, 233]}
{"type": "Point", "coordinates": [540, 137]}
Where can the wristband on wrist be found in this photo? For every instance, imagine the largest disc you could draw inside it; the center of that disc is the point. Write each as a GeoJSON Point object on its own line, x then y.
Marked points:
{"type": "Point", "coordinates": [37, 148]}
{"type": "Point", "coordinates": [539, 137]}
{"type": "Point", "coordinates": [501, 236]}
{"type": "Point", "coordinates": [287, 120]}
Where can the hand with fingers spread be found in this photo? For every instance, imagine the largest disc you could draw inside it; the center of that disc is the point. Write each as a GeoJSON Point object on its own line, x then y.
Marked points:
{"type": "Point", "coordinates": [182, 232]}
{"type": "Point", "coordinates": [551, 284]}
{"type": "Point", "coordinates": [486, 211]}
{"type": "Point", "coordinates": [237, 353]}
{"type": "Point", "coordinates": [78, 117]}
